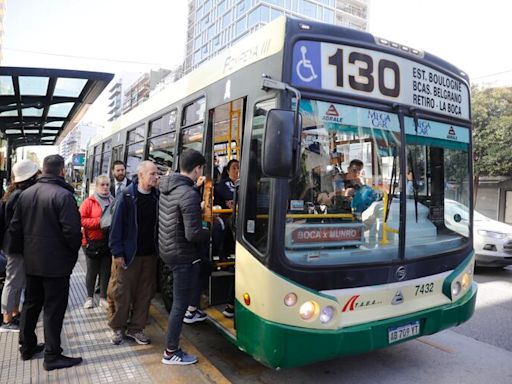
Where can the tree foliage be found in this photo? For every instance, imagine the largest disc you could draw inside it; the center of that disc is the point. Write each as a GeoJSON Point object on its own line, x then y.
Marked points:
{"type": "Point", "coordinates": [492, 131]}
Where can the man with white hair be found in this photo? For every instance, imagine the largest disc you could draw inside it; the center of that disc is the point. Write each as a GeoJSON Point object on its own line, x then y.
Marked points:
{"type": "Point", "coordinates": [132, 242]}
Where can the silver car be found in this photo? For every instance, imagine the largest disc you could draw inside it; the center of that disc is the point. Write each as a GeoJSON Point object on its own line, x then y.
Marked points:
{"type": "Point", "coordinates": [492, 238]}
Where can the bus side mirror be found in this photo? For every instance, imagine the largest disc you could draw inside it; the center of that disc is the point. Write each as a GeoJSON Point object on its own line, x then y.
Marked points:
{"type": "Point", "coordinates": [280, 144]}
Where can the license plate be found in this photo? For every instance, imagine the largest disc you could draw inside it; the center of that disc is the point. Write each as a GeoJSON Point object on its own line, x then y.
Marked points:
{"type": "Point", "coordinates": [403, 332]}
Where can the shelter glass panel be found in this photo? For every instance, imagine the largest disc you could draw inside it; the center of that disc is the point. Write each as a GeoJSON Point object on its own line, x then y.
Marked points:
{"type": "Point", "coordinates": [67, 87]}
{"type": "Point", "coordinates": [33, 85]}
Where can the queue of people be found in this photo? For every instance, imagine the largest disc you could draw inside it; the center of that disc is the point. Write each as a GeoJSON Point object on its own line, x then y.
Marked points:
{"type": "Point", "coordinates": [44, 230]}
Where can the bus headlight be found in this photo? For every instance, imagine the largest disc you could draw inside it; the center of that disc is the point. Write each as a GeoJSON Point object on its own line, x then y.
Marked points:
{"type": "Point", "coordinates": [456, 288]}
{"type": "Point", "coordinates": [326, 314]}
{"type": "Point", "coordinates": [290, 299]}
{"type": "Point", "coordinates": [308, 310]}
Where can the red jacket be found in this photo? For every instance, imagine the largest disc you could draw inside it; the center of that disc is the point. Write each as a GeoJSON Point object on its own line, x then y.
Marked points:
{"type": "Point", "coordinates": [90, 213]}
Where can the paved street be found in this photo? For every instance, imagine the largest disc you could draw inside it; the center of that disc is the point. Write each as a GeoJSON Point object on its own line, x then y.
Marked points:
{"type": "Point", "coordinates": [479, 351]}
{"type": "Point", "coordinates": [491, 322]}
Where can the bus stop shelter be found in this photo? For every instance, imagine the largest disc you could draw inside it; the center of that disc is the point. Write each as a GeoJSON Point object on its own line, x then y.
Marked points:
{"type": "Point", "coordinates": [40, 106]}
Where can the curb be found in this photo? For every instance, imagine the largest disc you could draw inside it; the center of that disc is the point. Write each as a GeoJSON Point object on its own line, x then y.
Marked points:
{"type": "Point", "coordinates": [203, 364]}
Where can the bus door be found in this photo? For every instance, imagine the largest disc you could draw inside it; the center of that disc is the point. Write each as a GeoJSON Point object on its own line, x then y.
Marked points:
{"type": "Point", "coordinates": [226, 127]}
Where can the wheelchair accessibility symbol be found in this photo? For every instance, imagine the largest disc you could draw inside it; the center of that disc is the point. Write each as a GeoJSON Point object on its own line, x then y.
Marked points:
{"type": "Point", "coordinates": [304, 69]}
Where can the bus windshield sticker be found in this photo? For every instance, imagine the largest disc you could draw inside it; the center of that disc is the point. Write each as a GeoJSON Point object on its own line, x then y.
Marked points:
{"type": "Point", "coordinates": [304, 235]}
{"type": "Point", "coordinates": [435, 130]}
{"type": "Point", "coordinates": [337, 116]}
{"type": "Point", "coordinates": [365, 72]}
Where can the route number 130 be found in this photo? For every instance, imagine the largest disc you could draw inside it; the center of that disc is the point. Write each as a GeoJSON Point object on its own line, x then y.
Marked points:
{"type": "Point", "coordinates": [364, 63]}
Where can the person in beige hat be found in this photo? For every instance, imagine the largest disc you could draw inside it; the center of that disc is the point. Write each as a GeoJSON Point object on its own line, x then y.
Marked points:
{"type": "Point", "coordinates": [25, 173]}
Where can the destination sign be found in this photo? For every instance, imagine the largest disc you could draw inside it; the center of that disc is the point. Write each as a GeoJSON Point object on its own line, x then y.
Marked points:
{"type": "Point", "coordinates": [365, 72]}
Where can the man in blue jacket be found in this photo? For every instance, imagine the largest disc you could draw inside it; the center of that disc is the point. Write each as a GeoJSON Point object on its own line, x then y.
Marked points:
{"type": "Point", "coordinates": [132, 242]}
{"type": "Point", "coordinates": [180, 238]}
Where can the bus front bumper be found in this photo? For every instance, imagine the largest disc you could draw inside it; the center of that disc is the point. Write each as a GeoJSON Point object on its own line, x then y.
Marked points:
{"type": "Point", "coordinates": [281, 346]}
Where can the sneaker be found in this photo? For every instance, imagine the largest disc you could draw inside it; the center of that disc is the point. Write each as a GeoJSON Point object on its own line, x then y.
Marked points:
{"type": "Point", "coordinates": [229, 311]}
{"type": "Point", "coordinates": [194, 316]}
{"type": "Point", "coordinates": [13, 326]}
{"type": "Point", "coordinates": [117, 337]}
{"type": "Point", "coordinates": [178, 357]}
{"type": "Point", "coordinates": [139, 337]}
{"type": "Point", "coordinates": [103, 303]}
{"type": "Point", "coordinates": [89, 303]}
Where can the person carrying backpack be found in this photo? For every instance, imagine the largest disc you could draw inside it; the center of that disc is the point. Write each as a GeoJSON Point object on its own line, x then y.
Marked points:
{"type": "Point", "coordinates": [25, 175]}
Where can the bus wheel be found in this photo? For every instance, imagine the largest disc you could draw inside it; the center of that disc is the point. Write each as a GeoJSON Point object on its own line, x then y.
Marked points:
{"type": "Point", "coordinates": [166, 284]}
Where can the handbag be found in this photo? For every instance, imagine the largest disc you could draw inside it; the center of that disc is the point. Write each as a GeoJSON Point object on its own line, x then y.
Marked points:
{"type": "Point", "coordinates": [96, 249]}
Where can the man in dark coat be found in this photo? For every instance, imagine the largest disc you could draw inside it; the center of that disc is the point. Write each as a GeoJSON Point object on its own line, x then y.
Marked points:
{"type": "Point", "coordinates": [46, 230]}
{"type": "Point", "coordinates": [120, 181]}
{"type": "Point", "coordinates": [180, 237]}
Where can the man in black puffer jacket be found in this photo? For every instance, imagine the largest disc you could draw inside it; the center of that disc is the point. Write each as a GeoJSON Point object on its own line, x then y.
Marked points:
{"type": "Point", "coordinates": [46, 229]}
{"type": "Point", "coordinates": [180, 236]}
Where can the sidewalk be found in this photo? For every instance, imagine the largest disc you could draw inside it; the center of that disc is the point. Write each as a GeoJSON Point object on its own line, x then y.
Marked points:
{"type": "Point", "coordinates": [86, 334]}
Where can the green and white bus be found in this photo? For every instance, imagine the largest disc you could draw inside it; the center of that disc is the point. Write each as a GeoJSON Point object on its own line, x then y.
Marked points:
{"type": "Point", "coordinates": [353, 151]}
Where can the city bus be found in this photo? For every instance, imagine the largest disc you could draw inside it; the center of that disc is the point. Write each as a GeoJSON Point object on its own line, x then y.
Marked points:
{"type": "Point", "coordinates": [350, 149]}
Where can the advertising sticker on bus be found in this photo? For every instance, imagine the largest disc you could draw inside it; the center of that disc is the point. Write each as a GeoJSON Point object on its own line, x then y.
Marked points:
{"type": "Point", "coordinates": [343, 234]}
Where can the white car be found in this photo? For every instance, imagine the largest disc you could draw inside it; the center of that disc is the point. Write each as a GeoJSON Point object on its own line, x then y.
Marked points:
{"type": "Point", "coordinates": [492, 238]}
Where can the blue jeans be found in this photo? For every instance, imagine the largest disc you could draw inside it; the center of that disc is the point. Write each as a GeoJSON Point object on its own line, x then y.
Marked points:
{"type": "Point", "coordinates": [186, 291]}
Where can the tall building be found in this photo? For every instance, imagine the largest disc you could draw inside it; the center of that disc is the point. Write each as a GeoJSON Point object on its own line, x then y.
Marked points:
{"type": "Point", "coordinates": [116, 100]}
{"type": "Point", "coordinates": [77, 140]}
{"type": "Point", "coordinates": [214, 25]}
{"type": "Point", "coordinates": [139, 91]}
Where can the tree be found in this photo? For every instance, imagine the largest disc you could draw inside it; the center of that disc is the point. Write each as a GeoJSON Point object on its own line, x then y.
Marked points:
{"type": "Point", "coordinates": [492, 132]}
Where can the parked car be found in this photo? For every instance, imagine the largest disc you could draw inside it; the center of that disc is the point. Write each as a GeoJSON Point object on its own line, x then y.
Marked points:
{"type": "Point", "coordinates": [492, 238]}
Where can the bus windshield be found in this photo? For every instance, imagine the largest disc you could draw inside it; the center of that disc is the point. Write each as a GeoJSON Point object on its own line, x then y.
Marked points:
{"type": "Point", "coordinates": [344, 205]}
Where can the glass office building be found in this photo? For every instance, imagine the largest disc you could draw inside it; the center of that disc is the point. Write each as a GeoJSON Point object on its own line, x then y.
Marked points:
{"type": "Point", "coordinates": [214, 25]}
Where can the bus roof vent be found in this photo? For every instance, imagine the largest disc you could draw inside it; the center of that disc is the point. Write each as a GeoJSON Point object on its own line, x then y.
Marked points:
{"type": "Point", "coordinates": [400, 47]}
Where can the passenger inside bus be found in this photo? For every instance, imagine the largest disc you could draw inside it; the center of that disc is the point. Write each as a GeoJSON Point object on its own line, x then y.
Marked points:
{"type": "Point", "coordinates": [223, 243]}
{"type": "Point", "coordinates": [344, 187]}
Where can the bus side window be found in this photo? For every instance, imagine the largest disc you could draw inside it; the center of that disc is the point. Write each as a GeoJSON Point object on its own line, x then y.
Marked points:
{"type": "Point", "coordinates": [257, 209]}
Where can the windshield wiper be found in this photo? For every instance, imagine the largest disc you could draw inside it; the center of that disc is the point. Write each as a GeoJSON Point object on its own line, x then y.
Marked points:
{"type": "Point", "coordinates": [412, 160]}
{"type": "Point", "coordinates": [392, 184]}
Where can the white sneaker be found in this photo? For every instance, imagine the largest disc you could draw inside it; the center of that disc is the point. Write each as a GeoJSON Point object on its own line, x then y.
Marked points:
{"type": "Point", "coordinates": [103, 303]}
{"type": "Point", "coordinates": [89, 303]}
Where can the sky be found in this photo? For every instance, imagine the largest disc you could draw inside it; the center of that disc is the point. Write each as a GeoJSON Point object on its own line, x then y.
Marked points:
{"type": "Point", "coordinates": [472, 35]}
{"type": "Point", "coordinates": [124, 37]}
{"type": "Point", "coordinates": [127, 37]}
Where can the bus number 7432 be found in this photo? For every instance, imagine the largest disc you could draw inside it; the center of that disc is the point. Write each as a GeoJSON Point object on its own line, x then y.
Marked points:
{"type": "Point", "coordinates": [423, 289]}
{"type": "Point", "coordinates": [366, 72]}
